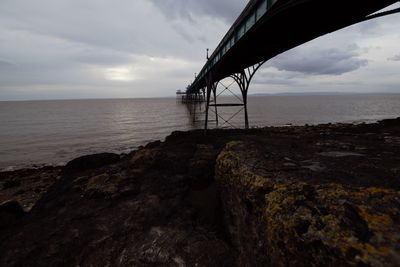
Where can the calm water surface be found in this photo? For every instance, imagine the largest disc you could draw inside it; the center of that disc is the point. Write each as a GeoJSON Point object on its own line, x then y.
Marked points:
{"type": "Point", "coordinates": [54, 132]}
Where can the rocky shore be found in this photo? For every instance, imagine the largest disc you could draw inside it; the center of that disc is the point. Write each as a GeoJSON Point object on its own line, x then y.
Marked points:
{"type": "Point", "coordinates": [326, 195]}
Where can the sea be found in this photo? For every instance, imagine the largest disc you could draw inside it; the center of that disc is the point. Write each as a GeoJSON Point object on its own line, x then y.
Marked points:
{"type": "Point", "coordinates": [38, 133]}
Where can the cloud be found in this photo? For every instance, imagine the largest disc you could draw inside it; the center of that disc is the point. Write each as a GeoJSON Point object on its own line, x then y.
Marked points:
{"type": "Point", "coordinates": [395, 58]}
{"type": "Point", "coordinates": [42, 44]}
{"type": "Point", "coordinates": [99, 56]}
{"type": "Point", "coordinates": [228, 10]}
{"type": "Point", "coordinates": [319, 61]}
{"type": "Point", "coordinates": [270, 75]}
{"type": "Point", "coordinates": [5, 64]}
{"type": "Point", "coordinates": [144, 48]}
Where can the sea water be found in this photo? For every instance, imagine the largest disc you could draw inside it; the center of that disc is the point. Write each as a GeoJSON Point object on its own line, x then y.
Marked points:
{"type": "Point", "coordinates": [34, 133]}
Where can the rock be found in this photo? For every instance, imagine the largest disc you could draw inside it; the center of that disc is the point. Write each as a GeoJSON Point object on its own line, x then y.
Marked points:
{"type": "Point", "coordinates": [11, 183]}
{"type": "Point", "coordinates": [276, 220]}
{"type": "Point", "coordinates": [339, 154]}
{"type": "Point", "coordinates": [201, 166]}
{"type": "Point", "coordinates": [90, 162]}
{"type": "Point", "coordinates": [102, 185]}
{"type": "Point", "coordinates": [11, 213]}
{"type": "Point", "coordinates": [313, 166]}
{"type": "Point", "coordinates": [390, 123]}
{"type": "Point", "coordinates": [145, 158]}
{"type": "Point", "coordinates": [29, 185]}
{"type": "Point", "coordinates": [133, 213]}
{"type": "Point", "coordinates": [262, 197]}
{"type": "Point", "coordinates": [153, 144]}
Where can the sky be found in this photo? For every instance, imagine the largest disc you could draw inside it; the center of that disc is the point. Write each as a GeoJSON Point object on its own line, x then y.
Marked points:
{"type": "Point", "coordinates": [72, 49]}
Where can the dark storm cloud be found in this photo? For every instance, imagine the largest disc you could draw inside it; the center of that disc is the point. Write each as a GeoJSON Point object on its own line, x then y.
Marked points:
{"type": "Point", "coordinates": [395, 58]}
{"type": "Point", "coordinates": [188, 9]}
{"type": "Point", "coordinates": [319, 61]}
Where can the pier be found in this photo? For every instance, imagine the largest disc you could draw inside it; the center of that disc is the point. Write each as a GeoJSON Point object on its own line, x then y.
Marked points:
{"type": "Point", "coordinates": [187, 97]}
{"type": "Point", "coordinates": [265, 29]}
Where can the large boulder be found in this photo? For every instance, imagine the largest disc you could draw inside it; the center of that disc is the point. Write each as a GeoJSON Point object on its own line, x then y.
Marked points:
{"type": "Point", "coordinates": [280, 212]}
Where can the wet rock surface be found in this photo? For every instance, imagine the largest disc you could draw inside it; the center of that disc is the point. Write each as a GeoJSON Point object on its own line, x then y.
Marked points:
{"type": "Point", "coordinates": [323, 195]}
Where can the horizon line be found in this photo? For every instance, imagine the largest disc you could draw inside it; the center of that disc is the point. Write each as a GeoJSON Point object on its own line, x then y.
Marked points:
{"type": "Point", "coordinates": [305, 93]}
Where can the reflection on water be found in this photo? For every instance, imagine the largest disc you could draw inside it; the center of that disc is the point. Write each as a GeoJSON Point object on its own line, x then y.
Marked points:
{"type": "Point", "coordinates": [195, 113]}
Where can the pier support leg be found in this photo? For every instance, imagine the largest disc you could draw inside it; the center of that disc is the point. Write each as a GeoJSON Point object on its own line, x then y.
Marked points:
{"type": "Point", "coordinates": [243, 80]}
{"type": "Point", "coordinates": [211, 87]}
{"type": "Point", "coordinates": [246, 116]}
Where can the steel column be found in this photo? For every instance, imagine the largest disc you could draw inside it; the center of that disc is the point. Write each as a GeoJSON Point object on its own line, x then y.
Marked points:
{"type": "Point", "coordinates": [243, 80]}
{"type": "Point", "coordinates": [211, 87]}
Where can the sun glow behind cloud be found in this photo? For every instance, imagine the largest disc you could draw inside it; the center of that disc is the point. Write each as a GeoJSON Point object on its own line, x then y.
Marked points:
{"type": "Point", "coordinates": [143, 67]}
{"type": "Point", "coordinates": [122, 74]}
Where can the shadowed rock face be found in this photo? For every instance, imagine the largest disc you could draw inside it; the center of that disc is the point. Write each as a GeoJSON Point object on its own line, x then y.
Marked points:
{"type": "Point", "coordinates": [90, 162]}
{"type": "Point", "coordinates": [10, 213]}
{"type": "Point", "coordinates": [299, 196]}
